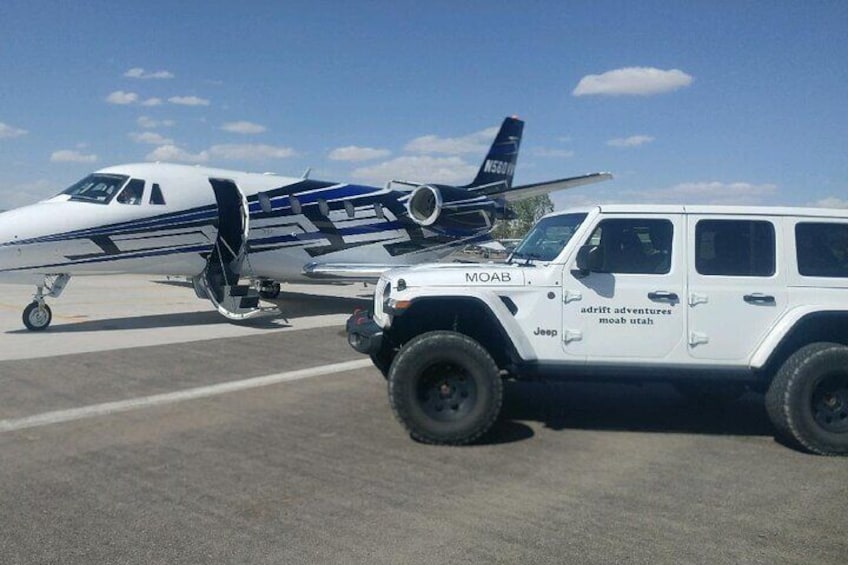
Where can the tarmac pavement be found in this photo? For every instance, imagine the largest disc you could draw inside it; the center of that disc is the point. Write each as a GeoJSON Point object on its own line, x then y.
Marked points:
{"type": "Point", "coordinates": [143, 428]}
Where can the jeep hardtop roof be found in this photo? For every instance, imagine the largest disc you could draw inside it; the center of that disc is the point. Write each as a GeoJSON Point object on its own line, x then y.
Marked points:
{"type": "Point", "coordinates": [709, 209]}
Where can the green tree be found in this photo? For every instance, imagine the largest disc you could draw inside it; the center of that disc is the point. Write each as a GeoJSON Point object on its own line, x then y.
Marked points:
{"type": "Point", "coordinates": [528, 212]}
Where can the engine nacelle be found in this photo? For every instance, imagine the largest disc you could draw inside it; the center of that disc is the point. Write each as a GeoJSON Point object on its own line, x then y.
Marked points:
{"type": "Point", "coordinates": [425, 205]}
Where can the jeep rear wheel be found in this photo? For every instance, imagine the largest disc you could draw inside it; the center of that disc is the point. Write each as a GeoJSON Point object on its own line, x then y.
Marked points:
{"type": "Point", "coordinates": [445, 388]}
{"type": "Point", "coordinates": [808, 398]}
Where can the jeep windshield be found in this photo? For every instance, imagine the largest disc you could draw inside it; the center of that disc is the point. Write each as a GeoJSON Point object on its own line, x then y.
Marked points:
{"type": "Point", "coordinates": [548, 238]}
{"type": "Point", "coordinates": [98, 188]}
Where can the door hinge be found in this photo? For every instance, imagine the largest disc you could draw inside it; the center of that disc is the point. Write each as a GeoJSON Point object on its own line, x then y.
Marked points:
{"type": "Point", "coordinates": [571, 296]}
{"type": "Point", "coordinates": [698, 338]}
{"type": "Point", "coordinates": [696, 298]}
{"type": "Point", "coordinates": [572, 335]}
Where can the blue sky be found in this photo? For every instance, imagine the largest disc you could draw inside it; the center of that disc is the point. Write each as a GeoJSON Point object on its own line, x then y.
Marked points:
{"type": "Point", "coordinates": [692, 102]}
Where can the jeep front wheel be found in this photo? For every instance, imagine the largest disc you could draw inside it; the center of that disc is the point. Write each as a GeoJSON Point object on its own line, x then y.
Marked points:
{"type": "Point", "coordinates": [445, 388]}
{"type": "Point", "coordinates": [808, 398]}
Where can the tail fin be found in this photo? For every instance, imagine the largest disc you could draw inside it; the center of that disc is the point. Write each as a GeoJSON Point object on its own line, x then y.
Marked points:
{"type": "Point", "coordinates": [499, 166]}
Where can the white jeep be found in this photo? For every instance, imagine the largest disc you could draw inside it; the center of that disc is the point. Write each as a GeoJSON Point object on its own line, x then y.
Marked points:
{"type": "Point", "coordinates": [715, 300]}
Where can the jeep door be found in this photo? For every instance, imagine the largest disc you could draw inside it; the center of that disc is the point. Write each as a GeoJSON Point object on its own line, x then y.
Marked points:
{"type": "Point", "coordinates": [737, 287]}
{"type": "Point", "coordinates": [628, 305]}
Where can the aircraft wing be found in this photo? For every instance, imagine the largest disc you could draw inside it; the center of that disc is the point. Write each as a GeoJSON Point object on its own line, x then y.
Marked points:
{"type": "Point", "coordinates": [529, 190]}
{"type": "Point", "coordinates": [347, 272]}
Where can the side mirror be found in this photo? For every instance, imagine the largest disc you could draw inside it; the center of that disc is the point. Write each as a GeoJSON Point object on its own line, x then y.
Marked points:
{"type": "Point", "coordinates": [589, 258]}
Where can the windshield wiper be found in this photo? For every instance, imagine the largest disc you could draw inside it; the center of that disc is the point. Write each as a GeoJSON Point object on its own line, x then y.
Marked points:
{"type": "Point", "coordinates": [527, 258]}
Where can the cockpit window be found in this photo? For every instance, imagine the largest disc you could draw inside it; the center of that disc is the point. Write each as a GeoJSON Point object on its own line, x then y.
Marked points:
{"type": "Point", "coordinates": [548, 237]}
{"type": "Point", "coordinates": [98, 188]}
{"type": "Point", "coordinates": [156, 195]}
{"type": "Point", "coordinates": [133, 193]}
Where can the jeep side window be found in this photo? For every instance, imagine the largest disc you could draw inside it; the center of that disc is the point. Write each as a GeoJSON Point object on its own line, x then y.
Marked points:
{"type": "Point", "coordinates": [742, 248]}
{"type": "Point", "coordinates": [822, 249]}
{"type": "Point", "coordinates": [634, 245]}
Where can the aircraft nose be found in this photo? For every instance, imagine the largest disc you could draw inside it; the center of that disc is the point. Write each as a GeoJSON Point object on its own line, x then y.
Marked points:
{"type": "Point", "coordinates": [8, 229]}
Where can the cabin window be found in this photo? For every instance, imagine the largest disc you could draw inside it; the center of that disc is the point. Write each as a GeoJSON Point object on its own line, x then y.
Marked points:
{"type": "Point", "coordinates": [295, 205]}
{"type": "Point", "coordinates": [98, 188]}
{"type": "Point", "coordinates": [348, 206]}
{"type": "Point", "coordinates": [378, 209]}
{"type": "Point", "coordinates": [156, 195]}
{"type": "Point", "coordinates": [132, 193]}
{"type": "Point", "coordinates": [323, 207]}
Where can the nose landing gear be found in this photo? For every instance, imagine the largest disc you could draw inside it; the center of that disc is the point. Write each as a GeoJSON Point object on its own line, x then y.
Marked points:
{"type": "Point", "coordinates": [37, 315]}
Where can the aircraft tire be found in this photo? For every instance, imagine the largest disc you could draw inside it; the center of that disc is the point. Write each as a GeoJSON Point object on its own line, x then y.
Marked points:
{"type": "Point", "coordinates": [270, 292]}
{"type": "Point", "coordinates": [445, 388]}
{"type": "Point", "coordinates": [37, 317]}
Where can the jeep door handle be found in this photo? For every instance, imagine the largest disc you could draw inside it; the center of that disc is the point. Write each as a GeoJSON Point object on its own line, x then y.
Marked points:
{"type": "Point", "coordinates": [758, 298]}
{"type": "Point", "coordinates": [663, 295]}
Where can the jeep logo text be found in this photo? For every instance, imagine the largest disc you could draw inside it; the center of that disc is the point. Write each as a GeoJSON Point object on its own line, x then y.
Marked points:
{"type": "Point", "coordinates": [487, 277]}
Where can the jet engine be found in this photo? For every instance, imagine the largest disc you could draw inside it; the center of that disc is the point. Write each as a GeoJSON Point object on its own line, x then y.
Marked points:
{"type": "Point", "coordinates": [445, 207]}
{"type": "Point", "coordinates": [425, 205]}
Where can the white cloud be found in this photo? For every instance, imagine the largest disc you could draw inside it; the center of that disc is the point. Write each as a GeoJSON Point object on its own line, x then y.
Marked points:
{"type": "Point", "coordinates": [641, 81]}
{"type": "Point", "coordinates": [121, 97]}
{"type": "Point", "coordinates": [152, 102]}
{"type": "Point", "coordinates": [151, 138]}
{"type": "Point", "coordinates": [449, 170]}
{"type": "Point", "coordinates": [174, 153]}
{"type": "Point", "coordinates": [7, 131]}
{"type": "Point", "coordinates": [831, 202]}
{"type": "Point", "coordinates": [147, 122]}
{"type": "Point", "coordinates": [354, 153]}
{"type": "Point", "coordinates": [71, 156]}
{"type": "Point", "coordinates": [140, 73]}
{"type": "Point", "coordinates": [555, 153]}
{"type": "Point", "coordinates": [710, 192]}
{"type": "Point", "coordinates": [632, 141]}
{"type": "Point", "coordinates": [243, 127]}
{"type": "Point", "coordinates": [474, 143]}
{"type": "Point", "coordinates": [15, 195]}
{"type": "Point", "coordinates": [250, 152]}
{"type": "Point", "coordinates": [188, 101]}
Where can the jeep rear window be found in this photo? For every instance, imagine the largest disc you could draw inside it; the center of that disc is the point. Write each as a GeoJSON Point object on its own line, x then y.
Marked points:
{"type": "Point", "coordinates": [548, 237]}
{"type": "Point", "coordinates": [740, 248]}
{"type": "Point", "coordinates": [822, 249]}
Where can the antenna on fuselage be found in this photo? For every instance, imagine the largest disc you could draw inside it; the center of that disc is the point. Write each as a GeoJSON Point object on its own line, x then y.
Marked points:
{"type": "Point", "coordinates": [305, 174]}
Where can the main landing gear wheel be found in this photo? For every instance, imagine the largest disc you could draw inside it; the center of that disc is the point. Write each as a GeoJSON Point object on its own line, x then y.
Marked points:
{"type": "Point", "coordinates": [37, 316]}
{"type": "Point", "coordinates": [445, 388]}
{"type": "Point", "coordinates": [270, 291]}
{"type": "Point", "coordinates": [808, 399]}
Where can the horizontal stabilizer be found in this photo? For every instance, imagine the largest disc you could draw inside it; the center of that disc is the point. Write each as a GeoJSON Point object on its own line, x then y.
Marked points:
{"type": "Point", "coordinates": [529, 190]}
{"type": "Point", "coordinates": [346, 272]}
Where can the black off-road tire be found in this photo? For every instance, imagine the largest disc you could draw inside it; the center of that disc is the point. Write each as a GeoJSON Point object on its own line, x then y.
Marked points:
{"type": "Point", "coordinates": [445, 388]}
{"type": "Point", "coordinates": [808, 399]}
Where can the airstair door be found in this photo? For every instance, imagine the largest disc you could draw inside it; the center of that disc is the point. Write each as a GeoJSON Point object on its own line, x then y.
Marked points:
{"type": "Point", "coordinates": [225, 265]}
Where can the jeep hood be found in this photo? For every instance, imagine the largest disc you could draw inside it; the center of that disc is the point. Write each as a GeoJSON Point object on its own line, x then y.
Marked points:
{"type": "Point", "coordinates": [459, 274]}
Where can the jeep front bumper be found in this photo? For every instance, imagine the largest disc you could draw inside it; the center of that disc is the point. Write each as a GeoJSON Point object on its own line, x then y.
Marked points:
{"type": "Point", "coordinates": [363, 333]}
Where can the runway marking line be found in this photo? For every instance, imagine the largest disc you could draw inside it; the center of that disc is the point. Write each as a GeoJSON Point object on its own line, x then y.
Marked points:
{"type": "Point", "coordinates": [107, 408]}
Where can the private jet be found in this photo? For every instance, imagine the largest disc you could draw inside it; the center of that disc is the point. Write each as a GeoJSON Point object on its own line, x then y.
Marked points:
{"type": "Point", "coordinates": [237, 235]}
